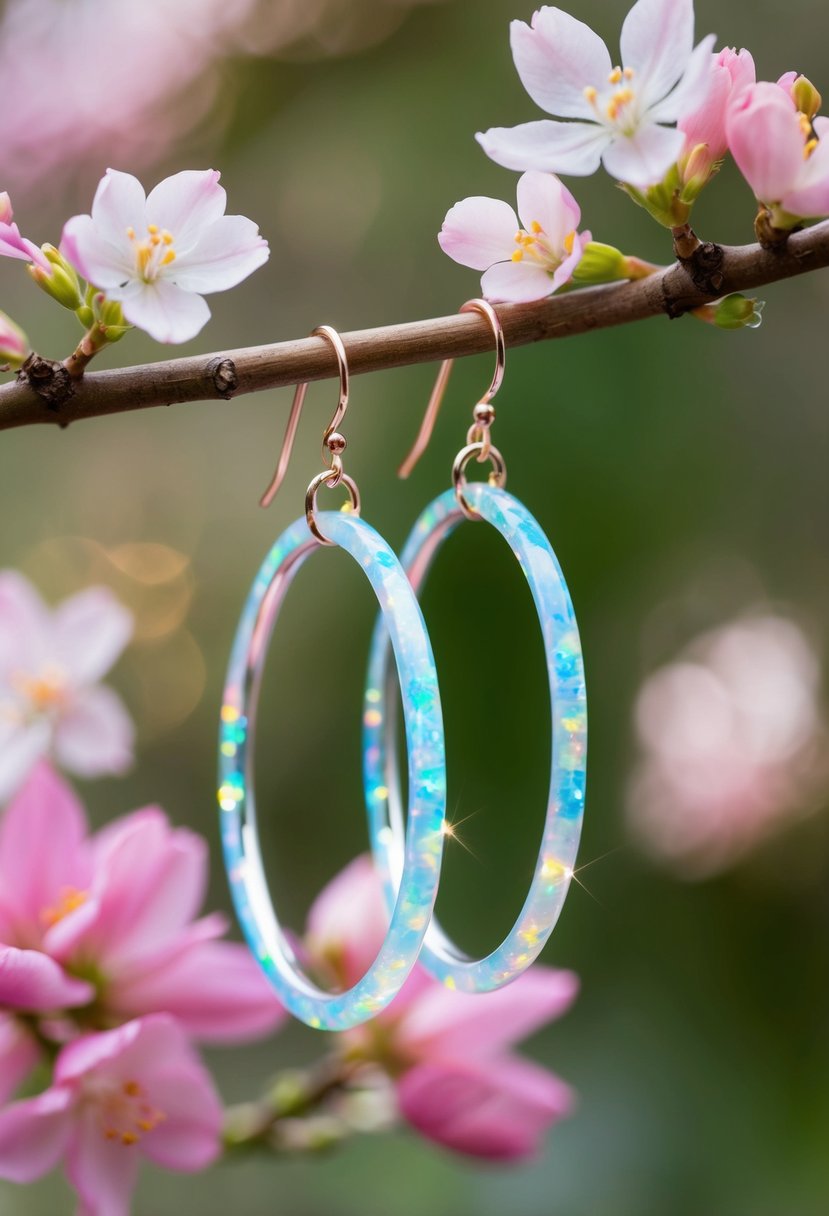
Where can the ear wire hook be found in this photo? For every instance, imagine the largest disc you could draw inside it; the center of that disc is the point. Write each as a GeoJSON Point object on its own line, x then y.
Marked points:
{"type": "Point", "coordinates": [484, 414]}
{"type": "Point", "coordinates": [335, 450]}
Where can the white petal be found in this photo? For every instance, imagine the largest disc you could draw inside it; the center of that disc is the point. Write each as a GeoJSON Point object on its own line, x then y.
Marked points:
{"type": "Point", "coordinates": [643, 159]}
{"type": "Point", "coordinates": [20, 749]}
{"type": "Point", "coordinates": [119, 204]}
{"type": "Point", "coordinates": [224, 254]}
{"type": "Point", "coordinates": [657, 39]}
{"type": "Point", "coordinates": [166, 312]}
{"type": "Point", "coordinates": [25, 626]}
{"type": "Point", "coordinates": [516, 282]}
{"type": "Point", "coordinates": [478, 231]}
{"type": "Point", "coordinates": [552, 147]}
{"type": "Point", "coordinates": [557, 59]}
{"type": "Point", "coordinates": [187, 203]}
{"type": "Point", "coordinates": [692, 90]}
{"type": "Point", "coordinates": [91, 630]}
{"type": "Point", "coordinates": [547, 201]}
{"type": "Point", "coordinates": [95, 735]}
{"type": "Point", "coordinates": [105, 265]}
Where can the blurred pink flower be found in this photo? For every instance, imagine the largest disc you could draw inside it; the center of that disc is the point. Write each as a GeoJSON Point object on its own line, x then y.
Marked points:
{"type": "Point", "coordinates": [732, 737]}
{"type": "Point", "coordinates": [566, 69]}
{"type": "Point", "coordinates": [12, 244]}
{"type": "Point", "coordinates": [50, 700]}
{"type": "Point", "coordinates": [782, 153]}
{"type": "Point", "coordinates": [157, 254]}
{"type": "Point", "coordinates": [456, 1079]}
{"type": "Point", "coordinates": [109, 918]}
{"type": "Point", "coordinates": [14, 345]}
{"type": "Point", "coordinates": [138, 1091]}
{"type": "Point", "coordinates": [706, 142]}
{"type": "Point", "coordinates": [521, 264]}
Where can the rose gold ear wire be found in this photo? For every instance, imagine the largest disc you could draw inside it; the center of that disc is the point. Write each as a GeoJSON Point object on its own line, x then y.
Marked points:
{"type": "Point", "coordinates": [478, 440]}
{"type": "Point", "coordinates": [333, 443]}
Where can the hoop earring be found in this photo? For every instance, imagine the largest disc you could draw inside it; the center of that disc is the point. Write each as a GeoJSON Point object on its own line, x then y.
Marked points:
{"type": "Point", "coordinates": [424, 837]}
{"type": "Point", "coordinates": [554, 868]}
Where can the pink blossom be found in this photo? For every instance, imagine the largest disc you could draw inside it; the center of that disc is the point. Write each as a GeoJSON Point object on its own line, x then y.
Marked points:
{"type": "Point", "coordinates": [19, 1054]}
{"type": "Point", "coordinates": [620, 112]}
{"type": "Point", "coordinates": [457, 1081]}
{"type": "Point", "coordinates": [50, 700]}
{"type": "Point", "coordinates": [12, 244]}
{"type": "Point", "coordinates": [158, 255]}
{"type": "Point", "coordinates": [116, 910]}
{"type": "Point", "coordinates": [732, 740]}
{"type": "Point", "coordinates": [138, 1091]}
{"type": "Point", "coordinates": [782, 154]}
{"type": "Point", "coordinates": [14, 345]}
{"type": "Point", "coordinates": [706, 142]}
{"type": "Point", "coordinates": [521, 263]}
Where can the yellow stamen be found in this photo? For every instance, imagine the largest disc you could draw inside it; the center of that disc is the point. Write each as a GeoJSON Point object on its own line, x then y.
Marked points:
{"type": "Point", "coordinates": [629, 73]}
{"type": "Point", "coordinates": [517, 255]}
{"type": "Point", "coordinates": [169, 256]}
{"type": "Point", "coordinates": [129, 1138]}
{"type": "Point", "coordinates": [536, 227]}
{"type": "Point", "coordinates": [70, 899]}
{"type": "Point", "coordinates": [615, 76]}
{"type": "Point", "coordinates": [131, 232]}
{"type": "Point", "coordinates": [152, 229]}
{"type": "Point", "coordinates": [167, 237]}
{"type": "Point", "coordinates": [570, 240]}
{"type": "Point", "coordinates": [809, 149]}
{"type": "Point", "coordinates": [591, 94]}
{"type": "Point", "coordinates": [619, 100]}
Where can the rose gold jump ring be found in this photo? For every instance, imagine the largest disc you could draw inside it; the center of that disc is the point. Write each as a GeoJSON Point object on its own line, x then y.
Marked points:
{"type": "Point", "coordinates": [329, 478]}
{"type": "Point", "coordinates": [497, 477]}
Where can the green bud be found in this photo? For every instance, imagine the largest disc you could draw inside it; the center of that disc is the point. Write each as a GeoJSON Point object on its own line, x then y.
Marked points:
{"type": "Point", "coordinates": [733, 312]}
{"type": "Point", "coordinates": [665, 201]}
{"type": "Point", "coordinates": [600, 264]}
{"type": "Point", "coordinates": [85, 315]}
{"type": "Point", "coordinates": [61, 281]}
{"type": "Point", "coordinates": [806, 97]}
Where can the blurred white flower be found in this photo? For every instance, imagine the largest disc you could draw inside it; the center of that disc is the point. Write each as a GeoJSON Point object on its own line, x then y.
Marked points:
{"type": "Point", "coordinates": [732, 739]}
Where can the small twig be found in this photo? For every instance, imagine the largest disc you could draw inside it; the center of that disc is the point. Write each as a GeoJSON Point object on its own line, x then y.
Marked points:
{"type": "Point", "coordinates": [711, 271]}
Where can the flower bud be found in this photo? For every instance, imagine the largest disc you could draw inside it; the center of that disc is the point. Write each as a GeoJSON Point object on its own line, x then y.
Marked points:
{"type": "Point", "coordinates": [600, 264]}
{"type": "Point", "coordinates": [14, 345]}
{"type": "Point", "coordinates": [60, 281]}
{"type": "Point", "coordinates": [733, 312]}
{"type": "Point", "coordinates": [6, 213]}
{"type": "Point", "coordinates": [806, 97]}
{"type": "Point", "coordinates": [665, 201]}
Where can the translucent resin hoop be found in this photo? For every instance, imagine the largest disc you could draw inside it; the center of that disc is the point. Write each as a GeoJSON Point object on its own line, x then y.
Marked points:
{"type": "Point", "coordinates": [562, 827]}
{"type": "Point", "coordinates": [423, 846]}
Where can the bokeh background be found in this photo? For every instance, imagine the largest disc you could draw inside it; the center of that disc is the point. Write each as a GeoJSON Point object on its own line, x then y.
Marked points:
{"type": "Point", "coordinates": [680, 472]}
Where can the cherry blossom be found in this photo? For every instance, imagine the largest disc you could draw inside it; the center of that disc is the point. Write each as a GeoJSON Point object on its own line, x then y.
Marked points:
{"type": "Point", "coordinates": [620, 112]}
{"type": "Point", "coordinates": [137, 1091]}
{"type": "Point", "coordinates": [706, 142]}
{"type": "Point", "coordinates": [51, 702]}
{"type": "Point", "coordinates": [159, 255]}
{"type": "Point", "coordinates": [521, 263]}
{"type": "Point", "coordinates": [449, 1053]}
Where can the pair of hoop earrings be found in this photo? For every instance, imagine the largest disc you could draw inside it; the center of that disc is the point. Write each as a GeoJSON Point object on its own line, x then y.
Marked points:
{"type": "Point", "coordinates": [407, 850]}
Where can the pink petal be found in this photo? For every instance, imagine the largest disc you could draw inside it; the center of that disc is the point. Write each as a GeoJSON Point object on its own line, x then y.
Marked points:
{"type": "Point", "coordinates": [810, 197]}
{"type": "Point", "coordinates": [166, 312]}
{"type": "Point", "coordinates": [222, 256]}
{"type": "Point", "coordinates": [556, 59]}
{"type": "Point", "coordinates": [119, 204]}
{"type": "Point", "coordinates": [91, 630]}
{"type": "Point", "coordinates": [453, 1025]}
{"type": "Point", "coordinates": [187, 204]}
{"type": "Point", "coordinates": [105, 1052]}
{"type": "Point", "coordinates": [25, 625]}
{"type": "Point", "coordinates": [692, 89]}
{"type": "Point", "coordinates": [643, 159]}
{"type": "Point", "coordinates": [34, 1135]}
{"type": "Point", "coordinates": [95, 735]}
{"type": "Point", "coordinates": [21, 746]}
{"type": "Point", "coordinates": [544, 199]}
{"type": "Point", "coordinates": [657, 40]}
{"type": "Point", "coordinates": [565, 271]}
{"type": "Point", "coordinates": [13, 245]}
{"type": "Point", "coordinates": [215, 990]}
{"type": "Point", "coordinates": [103, 1172]}
{"type": "Point", "coordinates": [32, 981]}
{"type": "Point", "coordinates": [189, 1139]}
{"type": "Point", "coordinates": [516, 283]}
{"type": "Point", "coordinates": [42, 849]}
{"type": "Point", "coordinates": [499, 1109]}
{"type": "Point", "coordinates": [19, 1055]}
{"type": "Point", "coordinates": [766, 141]}
{"type": "Point", "coordinates": [103, 263]}
{"type": "Point", "coordinates": [347, 921]}
{"type": "Point", "coordinates": [478, 231]}
{"type": "Point", "coordinates": [553, 147]}
{"type": "Point", "coordinates": [706, 123]}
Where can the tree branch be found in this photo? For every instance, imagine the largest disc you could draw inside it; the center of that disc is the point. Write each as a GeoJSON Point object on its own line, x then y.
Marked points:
{"type": "Point", "coordinates": [43, 393]}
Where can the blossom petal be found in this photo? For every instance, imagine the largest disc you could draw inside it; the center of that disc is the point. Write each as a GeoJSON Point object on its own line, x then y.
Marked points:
{"type": "Point", "coordinates": [223, 256]}
{"type": "Point", "coordinates": [766, 141]}
{"type": "Point", "coordinates": [21, 746]}
{"type": "Point", "coordinates": [644, 158]}
{"type": "Point", "coordinates": [454, 1025]}
{"type": "Point", "coordinates": [32, 981]}
{"type": "Point", "coordinates": [187, 204]}
{"type": "Point", "coordinates": [18, 1056]}
{"type": "Point", "coordinates": [42, 848]}
{"type": "Point", "coordinates": [25, 625]}
{"type": "Point", "coordinates": [105, 265]}
{"type": "Point", "coordinates": [691, 91]}
{"type": "Point", "coordinates": [516, 283]}
{"type": "Point", "coordinates": [91, 630]}
{"type": "Point", "coordinates": [119, 204]}
{"type": "Point", "coordinates": [810, 197]}
{"type": "Point", "coordinates": [190, 1137]}
{"type": "Point", "coordinates": [347, 921]}
{"type": "Point", "coordinates": [553, 147]}
{"type": "Point", "coordinates": [95, 735]}
{"type": "Point", "coordinates": [557, 58]}
{"type": "Point", "coordinates": [656, 42]}
{"type": "Point", "coordinates": [103, 1172]}
{"type": "Point", "coordinates": [543, 199]}
{"type": "Point", "coordinates": [498, 1109]}
{"type": "Point", "coordinates": [166, 312]}
{"type": "Point", "coordinates": [34, 1135]}
{"type": "Point", "coordinates": [215, 990]}
{"type": "Point", "coordinates": [478, 231]}
{"type": "Point", "coordinates": [565, 271]}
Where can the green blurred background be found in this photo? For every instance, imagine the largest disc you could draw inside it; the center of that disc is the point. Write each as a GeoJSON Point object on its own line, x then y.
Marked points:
{"type": "Point", "coordinates": [681, 474]}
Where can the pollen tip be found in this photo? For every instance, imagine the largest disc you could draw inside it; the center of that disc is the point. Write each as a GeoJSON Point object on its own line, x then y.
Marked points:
{"type": "Point", "coordinates": [518, 254]}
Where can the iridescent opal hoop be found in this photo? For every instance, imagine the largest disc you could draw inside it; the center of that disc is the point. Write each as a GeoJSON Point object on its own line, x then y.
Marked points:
{"type": "Point", "coordinates": [562, 827]}
{"type": "Point", "coordinates": [422, 846]}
